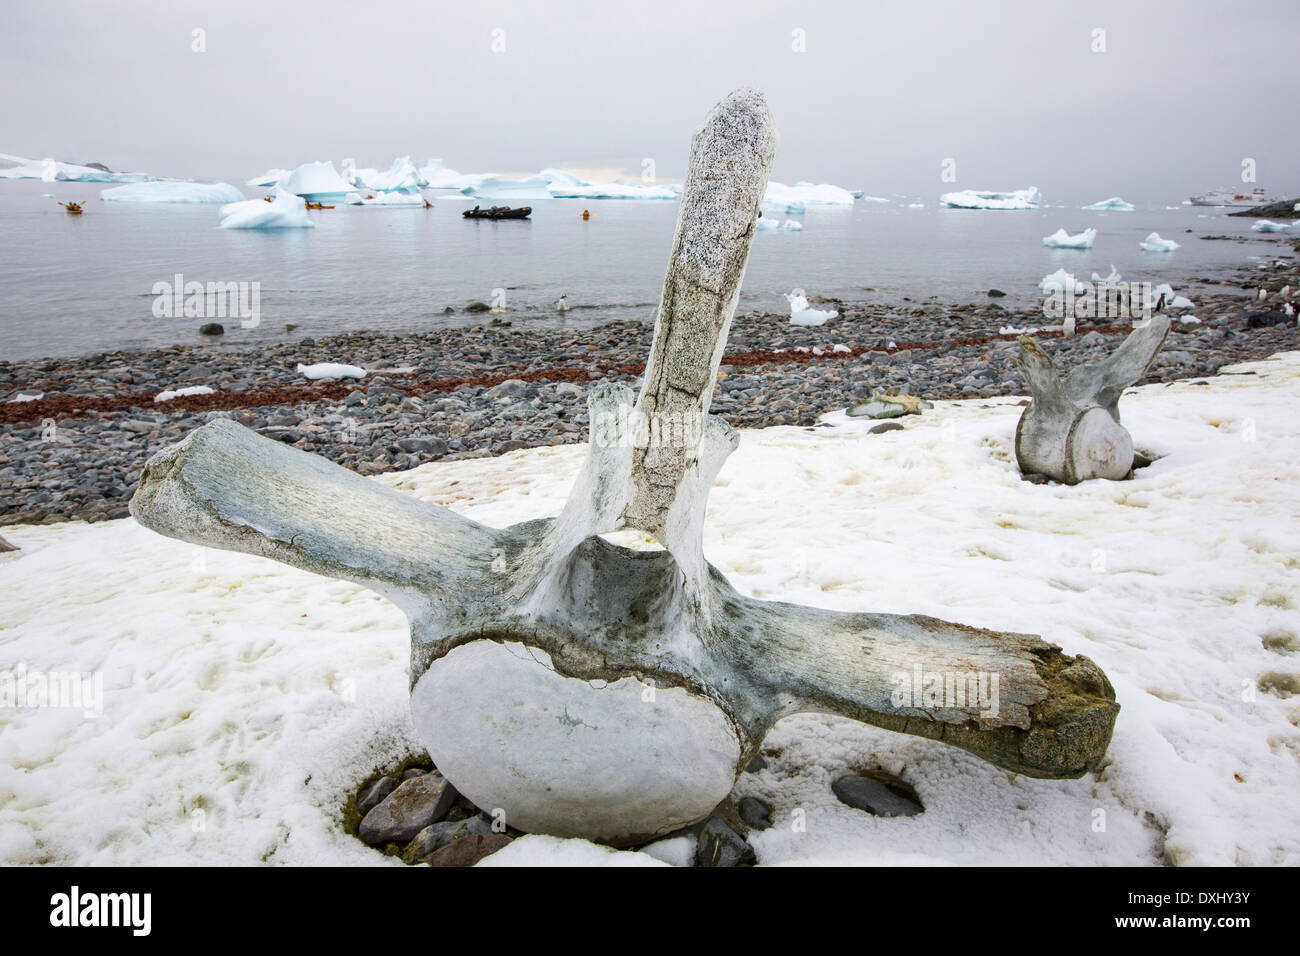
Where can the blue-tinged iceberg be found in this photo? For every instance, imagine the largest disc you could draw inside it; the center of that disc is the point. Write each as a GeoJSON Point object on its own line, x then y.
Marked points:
{"type": "Point", "coordinates": [1153, 243]}
{"type": "Point", "coordinates": [170, 190]}
{"type": "Point", "coordinates": [315, 181]}
{"type": "Point", "coordinates": [51, 171]}
{"type": "Point", "coordinates": [801, 194]}
{"type": "Point", "coordinates": [1063, 240]}
{"type": "Point", "coordinates": [1113, 204]}
{"type": "Point", "coordinates": [503, 187]}
{"type": "Point", "coordinates": [402, 175]}
{"type": "Point", "coordinates": [437, 176]}
{"type": "Point", "coordinates": [986, 199]}
{"type": "Point", "coordinates": [285, 211]}
{"type": "Point", "coordinates": [268, 178]}
{"type": "Point", "coordinates": [1264, 225]}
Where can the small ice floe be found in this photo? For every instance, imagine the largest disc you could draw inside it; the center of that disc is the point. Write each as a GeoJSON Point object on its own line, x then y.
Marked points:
{"type": "Point", "coordinates": [28, 397]}
{"type": "Point", "coordinates": [1112, 279]}
{"type": "Point", "coordinates": [987, 199]}
{"type": "Point", "coordinates": [285, 211]}
{"type": "Point", "coordinates": [1059, 281]}
{"type": "Point", "coordinates": [769, 224]}
{"type": "Point", "coordinates": [800, 314]}
{"type": "Point", "coordinates": [395, 198]}
{"type": "Point", "coordinates": [170, 190]}
{"type": "Point", "coordinates": [168, 394]}
{"type": "Point", "coordinates": [1264, 225]}
{"type": "Point", "coordinates": [402, 176]}
{"type": "Point", "coordinates": [51, 171]}
{"type": "Point", "coordinates": [1153, 243]}
{"type": "Point", "coordinates": [916, 205]}
{"type": "Point", "coordinates": [330, 370]}
{"type": "Point", "coordinates": [1113, 204]}
{"type": "Point", "coordinates": [1063, 240]}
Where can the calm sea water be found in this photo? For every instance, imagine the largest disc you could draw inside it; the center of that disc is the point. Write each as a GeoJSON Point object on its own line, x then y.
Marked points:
{"type": "Point", "coordinates": [73, 285]}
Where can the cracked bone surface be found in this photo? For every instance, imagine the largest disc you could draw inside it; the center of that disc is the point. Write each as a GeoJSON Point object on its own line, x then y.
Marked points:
{"type": "Point", "coordinates": [591, 690]}
{"type": "Point", "coordinates": [1071, 430]}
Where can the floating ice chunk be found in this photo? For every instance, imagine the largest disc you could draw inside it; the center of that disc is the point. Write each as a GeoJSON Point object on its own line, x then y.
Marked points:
{"type": "Point", "coordinates": [268, 178]}
{"type": "Point", "coordinates": [400, 198]}
{"type": "Point", "coordinates": [285, 211]}
{"type": "Point", "coordinates": [437, 176]}
{"type": "Point", "coordinates": [559, 177]}
{"type": "Point", "coordinates": [916, 205]}
{"type": "Point", "coordinates": [1113, 204]}
{"type": "Point", "coordinates": [503, 187]}
{"type": "Point", "coordinates": [330, 370]}
{"type": "Point", "coordinates": [1059, 281]}
{"type": "Point", "coordinates": [168, 394]}
{"type": "Point", "coordinates": [792, 225]}
{"type": "Point", "coordinates": [770, 223]}
{"type": "Point", "coordinates": [1264, 225]}
{"type": "Point", "coordinates": [616, 190]}
{"type": "Point", "coordinates": [1063, 240]}
{"type": "Point", "coordinates": [1153, 243]}
{"type": "Point", "coordinates": [870, 198]}
{"type": "Point", "coordinates": [800, 314]}
{"type": "Point", "coordinates": [51, 170]}
{"type": "Point", "coordinates": [168, 190]}
{"type": "Point", "coordinates": [766, 224]}
{"type": "Point", "coordinates": [803, 194]}
{"type": "Point", "coordinates": [1028, 198]}
{"type": "Point", "coordinates": [1112, 279]}
{"type": "Point", "coordinates": [315, 180]}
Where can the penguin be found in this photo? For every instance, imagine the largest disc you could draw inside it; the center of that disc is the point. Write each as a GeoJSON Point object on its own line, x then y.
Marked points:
{"type": "Point", "coordinates": [561, 305]}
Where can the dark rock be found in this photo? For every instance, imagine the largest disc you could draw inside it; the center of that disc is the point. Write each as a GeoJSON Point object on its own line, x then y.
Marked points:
{"type": "Point", "coordinates": [423, 446]}
{"type": "Point", "coordinates": [1264, 320]}
{"type": "Point", "coordinates": [756, 814]}
{"type": "Point", "coordinates": [438, 835]}
{"type": "Point", "coordinates": [996, 293]}
{"type": "Point", "coordinates": [412, 772]}
{"type": "Point", "coordinates": [478, 307]}
{"type": "Point", "coordinates": [881, 797]}
{"type": "Point", "coordinates": [719, 845]}
{"type": "Point", "coordinates": [369, 798]}
{"type": "Point", "coordinates": [468, 850]}
{"type": "Point", "coordinates": [410, 808]}
{"type": "Point", "coordinates": [885, 427]}
{"type": "Point", "coordinates": [212, 328]}
{"type": "Point", "coordinates": [757, 764]}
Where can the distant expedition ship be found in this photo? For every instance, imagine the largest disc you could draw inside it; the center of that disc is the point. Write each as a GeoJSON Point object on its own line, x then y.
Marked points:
{"type": "Point", "coordinates": [1223, 196]}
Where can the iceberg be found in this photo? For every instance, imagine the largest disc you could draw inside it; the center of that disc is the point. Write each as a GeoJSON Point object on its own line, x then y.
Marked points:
{"type": "Point", "coordinates": [800, 314]}
{"type": "Point", "coordinates": [437, 176]}
{"type": "Point", "coordinates": [984, 199]}
{"type": "Point", "coordinates": [615, 190]}
{"type": "Point", "coordinates": [1264, 225]}
{"type": "Point", "coordinates": [285, 211]}
{"type": "Point", "coordinates": [801, 194]}
{"type": "Point", "coordinates": [401, 176]}
{"type": "Point", "coordinates": [51, 170]}
{"type": "Point", "coordinates": [400, 198]}
{"type": "Point", "coordinates": [1112, 279]}
{"type": "Point", "coordinates": [1059, 281]}
{"type": "Point", "coordinates": [315, 180]}
{"type": "Point", "coordinates": [1063, 240]}
{"type": "Point", "coordinates": [1153, 243]}
{"type": "Point", "coordinates": [268, 178]}
{"type": "Point", "coordinates": [169, 190]}
{"type": "Point", "coordinates": [768, 224]}
{"type": "Point", "coordinates": [1113, 204]}
{"type": "Point", "coordinates": [330, 370]}
{"type": "Point", "coordinates": [870, 198]}
{"type": "Point", "coordinates": [503, 187]}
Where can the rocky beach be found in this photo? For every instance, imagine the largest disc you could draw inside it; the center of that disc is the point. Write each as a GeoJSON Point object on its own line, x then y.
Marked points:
{"type": "Point", "coordinates": [76, 432]}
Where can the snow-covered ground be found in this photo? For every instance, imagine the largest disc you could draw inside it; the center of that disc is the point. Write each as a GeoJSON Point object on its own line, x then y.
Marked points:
{"type": "Point", "coordinates": [243, 700]}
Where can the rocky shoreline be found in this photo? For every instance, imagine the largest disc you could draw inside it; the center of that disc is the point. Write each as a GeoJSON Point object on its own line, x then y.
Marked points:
{"type": "Point", "coordinates": [77, 450]}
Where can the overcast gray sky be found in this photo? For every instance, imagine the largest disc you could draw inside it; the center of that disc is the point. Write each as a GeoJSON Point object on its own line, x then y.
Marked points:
{"type": "Point", "coordinates": [1012, 90]}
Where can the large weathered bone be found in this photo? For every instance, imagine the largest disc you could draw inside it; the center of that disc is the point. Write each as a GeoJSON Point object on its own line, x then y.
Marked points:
{"type": "Point", "coordinates": [1071, 430]}
{"type": "Point", "coordinates": [591, 690]}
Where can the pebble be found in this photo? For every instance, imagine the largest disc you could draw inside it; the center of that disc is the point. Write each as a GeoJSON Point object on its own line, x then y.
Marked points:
{"type": "Point", "coordinates": [372, 795]}
{"type": "Point", "coordinates": [756, 814]}
{"type": "Point", "coordinates": [438, 835]}
{"type": "Point", "coordinates": [719, 845]}
{"type": "Point", "coordinates": [468, 850]}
